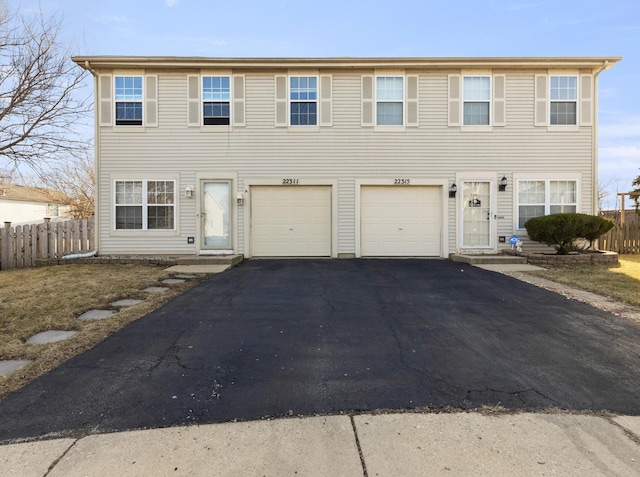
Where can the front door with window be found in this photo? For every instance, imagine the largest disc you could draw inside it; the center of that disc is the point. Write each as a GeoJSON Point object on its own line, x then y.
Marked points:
{"type": "Point", "coordinates": [477, 218]}
{"type": "Point", "coordinates": [216, 215]}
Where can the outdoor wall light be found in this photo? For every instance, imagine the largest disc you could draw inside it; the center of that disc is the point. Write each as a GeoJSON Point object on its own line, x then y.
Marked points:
{"type": "Point", "coordinates": [188, 191]}
{"type": "Point", "coordinates": [503, 184]}
{"type": "Point", "coordinates": [452, 191]}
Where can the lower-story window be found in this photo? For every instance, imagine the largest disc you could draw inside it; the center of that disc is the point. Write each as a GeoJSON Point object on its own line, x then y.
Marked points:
{"type": "Point", "coordinates": [544, 197]}
{"type": "Point", "coordinates": [145, 205]}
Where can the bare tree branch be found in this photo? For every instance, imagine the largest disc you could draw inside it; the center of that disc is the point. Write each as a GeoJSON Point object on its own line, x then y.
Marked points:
{"type": "Point", "coordinates": [40, 107]}
{"type": "Point", "coordinates": [74, 179]}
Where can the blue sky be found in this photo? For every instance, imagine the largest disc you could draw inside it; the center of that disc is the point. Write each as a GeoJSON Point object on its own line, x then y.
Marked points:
{"type": "Point", "coordinates": [425, 28]}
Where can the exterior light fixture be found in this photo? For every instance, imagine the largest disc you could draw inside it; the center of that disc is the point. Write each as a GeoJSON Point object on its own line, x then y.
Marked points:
{"type": "Point", "coordinates": [502, 186]}
{"type": "Point", "coordinates": [452, 191]}
{"type": "Point", "coordinates": [188, 191]}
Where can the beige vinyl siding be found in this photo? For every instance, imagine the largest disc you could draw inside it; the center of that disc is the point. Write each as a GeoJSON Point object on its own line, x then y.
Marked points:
{"type": "Point", "coordinates": [344, 151]}
{"type": "Point", "coordinates": [346, 216]}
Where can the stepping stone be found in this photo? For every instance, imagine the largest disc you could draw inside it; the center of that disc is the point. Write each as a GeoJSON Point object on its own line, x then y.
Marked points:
{"type": "Point", "coordinates": [155, 289]}
{"type": "Point", "coordinates": [50, 337]}
{"type": "Point", "coordinates": [9, 366]}
{"type": "Point", "coordinates": [173, 281]}
{"type": "Point", "coordinates": [96, 315]}
{"type": "Point", "coordinates": [185, 276]}
{"type": "Point", "coordinates": [127, 302]}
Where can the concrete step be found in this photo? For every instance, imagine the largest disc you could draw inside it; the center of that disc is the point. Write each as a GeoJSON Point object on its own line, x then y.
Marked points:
{"type": "Point", "coordinates": [487, 259]}
{"type": "Point", "coordinates": [231, 260]}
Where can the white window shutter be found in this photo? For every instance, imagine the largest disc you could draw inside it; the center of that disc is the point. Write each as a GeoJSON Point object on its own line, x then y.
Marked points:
{"type": "Point", "coordinates": [326, 116]}
{"type": "Point", "coordinates": [238, 114]}
{"type": "Point", "coordinates": [193, 101]}
{"type": "Point", "coordinates": [281, 101]}
{"type": "Point", "coordinates": [105, 94]}
{"type": "Point", "coordinates": [367, 100]}
{"type": "Point", "coordinates": [412, 100]}
{"type": "Point", "coordinates": [499, 100]}
{"type": "Point", "coordinates": [151, 101]}
{"type": "Point", "coordinates": [454, 100]}
{"type": "Point", "coordinates": [586, 100]}
{"type": "Point", "coordinates": [542, 100]}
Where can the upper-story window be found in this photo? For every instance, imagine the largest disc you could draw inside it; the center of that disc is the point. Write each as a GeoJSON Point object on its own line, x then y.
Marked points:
{"type": "Point", "coordinates": [303, 100]}
{"type": "Point", "coordinates": [563, 100]}
{"type": "Point", "coordinates": [389, 101]}
{"type": "Point", "coordinates": [476, 100]}
{"type": "Point", "coordinates": [128, 100]}
{"type": "Point", "coordinates": [216, 96]}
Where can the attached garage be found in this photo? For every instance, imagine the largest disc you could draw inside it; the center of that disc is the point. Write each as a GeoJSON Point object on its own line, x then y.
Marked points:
{"type": "Point", "coordinates": [290, 221]}
{"type": "Point", "coordinates": [400, 221]}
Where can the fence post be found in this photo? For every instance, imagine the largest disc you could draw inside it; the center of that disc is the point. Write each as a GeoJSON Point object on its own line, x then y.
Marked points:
{"type": "Point", "coordinates": [6, 243]}
{"type": "Point", "coordinates": [45, 245]}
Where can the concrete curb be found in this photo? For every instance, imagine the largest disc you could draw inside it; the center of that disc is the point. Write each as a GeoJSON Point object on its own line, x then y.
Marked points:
{"type": "Point", "coordinates": [407, 444]}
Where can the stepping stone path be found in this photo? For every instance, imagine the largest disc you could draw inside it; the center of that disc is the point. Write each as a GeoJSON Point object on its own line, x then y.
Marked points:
{"type": "Point", "coordinates": [127, 302]}
{"type": "Point", "coordinates": [96, 315]}
{"type": "Point", "coordinates": [50, 337]}
{"type": "Point", "coordinates": [155, 289]}
{"type": "Point", "coordinates": [9, 366]}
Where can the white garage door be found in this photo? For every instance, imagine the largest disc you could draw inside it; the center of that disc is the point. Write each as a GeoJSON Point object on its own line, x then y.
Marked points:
{"type": "Point", "coordinates": [400, 221]}
{"type": "Point", "coordinates": [291, 221]}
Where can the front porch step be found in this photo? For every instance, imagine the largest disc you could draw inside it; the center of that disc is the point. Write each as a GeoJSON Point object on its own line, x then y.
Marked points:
{"type": "Point", "coordinates": [231, 260]}
{"type": "Point", "coordinates": [486, 259]}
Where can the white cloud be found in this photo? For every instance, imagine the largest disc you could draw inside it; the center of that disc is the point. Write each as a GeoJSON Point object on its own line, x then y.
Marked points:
{"type": "Point", "coordinates": [111, 19]}
{"type": "Point", "coordinates": [620, 152]}
{"type": "Point", "coordinates": [171, 3]}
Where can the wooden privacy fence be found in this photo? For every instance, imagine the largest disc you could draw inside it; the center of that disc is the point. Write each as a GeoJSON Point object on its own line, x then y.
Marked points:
{"type": "Point", "coordinates": [623, 238]}
{"type": "Point", "coordinates": [22, 245]}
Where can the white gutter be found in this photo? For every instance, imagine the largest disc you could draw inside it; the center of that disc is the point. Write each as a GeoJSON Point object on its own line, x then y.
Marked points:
{"type": "Point", "coordinates": [594, 142]}
{"type": "Point", "coordinates": [96, 157]}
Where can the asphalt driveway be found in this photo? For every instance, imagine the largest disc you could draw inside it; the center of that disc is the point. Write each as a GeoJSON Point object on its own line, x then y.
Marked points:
{"type": "Point", "coordinates": [300, 337]}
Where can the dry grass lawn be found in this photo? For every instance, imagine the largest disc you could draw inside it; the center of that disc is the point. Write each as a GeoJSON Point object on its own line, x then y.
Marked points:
{"type": "Point", "coordinates": [51, 298]}
{"type": "Point", "coordinates": [620, 283]}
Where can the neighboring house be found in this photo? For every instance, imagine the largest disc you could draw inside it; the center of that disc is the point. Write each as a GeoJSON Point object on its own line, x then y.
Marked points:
{"type": "Point", "coordinates": [630, 215]}
{"type": "Point", "coordinates": [339, 157]}
{"type": "Point", "coordinates": [25, 205]}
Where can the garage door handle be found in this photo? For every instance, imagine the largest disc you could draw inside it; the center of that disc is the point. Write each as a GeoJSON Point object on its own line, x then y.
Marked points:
{"type": "Point", "coordinates": [399, 228]}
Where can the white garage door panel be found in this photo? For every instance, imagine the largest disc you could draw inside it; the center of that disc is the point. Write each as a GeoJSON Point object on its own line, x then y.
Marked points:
{"type": "Point", "coordinates": [291, 221]}
{"type": "Point", "coordinates": [400, 221]}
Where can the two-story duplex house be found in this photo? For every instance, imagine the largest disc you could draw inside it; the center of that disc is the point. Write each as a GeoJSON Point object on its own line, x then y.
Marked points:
{"type": "Point", "coordinates": [339, 157]}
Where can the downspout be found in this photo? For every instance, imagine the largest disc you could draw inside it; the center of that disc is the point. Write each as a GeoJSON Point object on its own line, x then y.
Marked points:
{"type": "Point", "coordinates": [96, 157]}
{"type": "Point", "coordinates": [594, 142]}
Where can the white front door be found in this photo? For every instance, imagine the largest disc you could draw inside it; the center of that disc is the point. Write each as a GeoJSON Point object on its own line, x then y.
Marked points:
{"type": "Point", "coordinates": [477, 217]}
{"type": "Point", "coordinates": [216, 215]}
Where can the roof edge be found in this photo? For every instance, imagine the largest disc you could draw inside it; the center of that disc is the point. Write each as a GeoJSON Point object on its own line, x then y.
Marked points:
{"type": "Point", "coordinates": [596, 62]}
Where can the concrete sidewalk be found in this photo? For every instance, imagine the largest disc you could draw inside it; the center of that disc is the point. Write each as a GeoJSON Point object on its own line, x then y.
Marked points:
{"type": "Point", "coordinates": [408, 444]}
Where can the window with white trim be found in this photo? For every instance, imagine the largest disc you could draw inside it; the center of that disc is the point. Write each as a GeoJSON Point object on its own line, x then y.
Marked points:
{"type": "Point", "coordinates": [563, 97]}
{"type": "Point", "coordinates": [303, 100]}
{"type": "Point", "coordinates": [128, 99]}
{"type": "Point", "coordinates": [145, 205]}
{"type": "Point", "coordinates": [544, 197]}
{"type": "Point", "coordinates": [389, 100]}
{"type": "Point", "coordinates": [476, 98]}
{"type": "Point", "coordinates": [216, 98]}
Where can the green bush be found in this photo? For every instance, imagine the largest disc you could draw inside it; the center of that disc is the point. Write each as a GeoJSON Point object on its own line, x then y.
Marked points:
{"type": "Point", "coordinates": [561, 231]}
